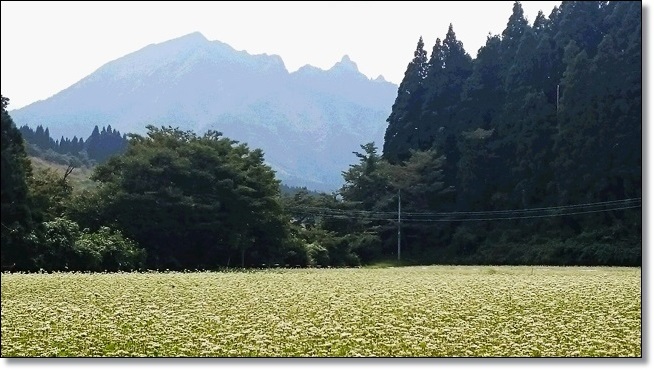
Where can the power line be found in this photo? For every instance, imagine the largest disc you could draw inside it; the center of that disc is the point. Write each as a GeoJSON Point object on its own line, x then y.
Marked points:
{"type": "Point", "coordinates": [586, 205]}
{"type": "Point", "coordinates": [529, 210]}
{"type": "Point", "coordinates": [542, 212]}
{"type": "Point", "coordinates": [525, 217]}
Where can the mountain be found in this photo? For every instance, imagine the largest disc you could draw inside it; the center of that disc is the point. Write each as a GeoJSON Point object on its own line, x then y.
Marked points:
{"type": "Point", "coordinates": [307, 122]}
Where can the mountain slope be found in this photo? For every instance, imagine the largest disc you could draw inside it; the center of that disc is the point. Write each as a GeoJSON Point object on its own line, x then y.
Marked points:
{"type": "Point", "coordinates": [307, 122]}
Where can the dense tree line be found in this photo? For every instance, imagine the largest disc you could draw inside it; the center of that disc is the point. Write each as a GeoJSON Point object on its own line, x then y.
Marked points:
{"type": "Point", "coordinates": [548, 114]}
{"type": "Point", "coordinates": [173, 200]}
{"type": "Point", "coordinates": [37, 232]}
{"type": "Point", "coordinates": [16, 169]}
{"type": "Point", "coordinates": [97, 148]}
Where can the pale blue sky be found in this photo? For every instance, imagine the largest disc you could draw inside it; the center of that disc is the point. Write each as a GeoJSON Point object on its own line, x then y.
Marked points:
{"type": "Point", "coordinates": [47, 47]}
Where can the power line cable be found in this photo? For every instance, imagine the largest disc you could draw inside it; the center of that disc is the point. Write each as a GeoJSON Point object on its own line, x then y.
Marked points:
{"type": "Point", "coordinates": [476, 213]}
{"type": "Point", "coordinates": [542, 212]}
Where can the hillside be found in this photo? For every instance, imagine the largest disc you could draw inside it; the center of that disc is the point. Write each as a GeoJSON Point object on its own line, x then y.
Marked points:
{"type": "Point", "coordinates": [80, 178]}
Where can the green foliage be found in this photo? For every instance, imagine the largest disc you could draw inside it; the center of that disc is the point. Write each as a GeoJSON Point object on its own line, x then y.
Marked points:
{"type": "Point", "coordinates": [292, 190]}
{"type": "Point", "coordinates": [546, 115]}
{"type": "Point", "coordinates": [56, 249]}
{"type": "Point", "coordinates": [194, 201]}
{"type": "Point", "coordinates": [513, 33]}
{"type": "Point", "coordinates": [365, 182]}
{"type": "Point", "coordinates": [296, 253]}
{"type": "Point", "coordinates": [364, 247]}
{"type": "Point", "coordinates": [449, 68]}
{"type": "Point", "coordinates": [465, 240]}
{"type": "Point", "coordinates": [16, 170]}
{"type": "Point", "coordinates": [341, 250]}
{"type": "Point", "coordinates": [88, 207]}
{"type": "Point", "coordinates": [418, 180]}
{"type": "Point", "coordinates": [116, 252]}
{"type": "Point", "coordinates": [60, 245]}
{"type": "Point", "coordinates": [49, 194]}
{"type": "Point", "coordinates": [318, 255]}
{"type": "Point", "coordinates": [406, 109]}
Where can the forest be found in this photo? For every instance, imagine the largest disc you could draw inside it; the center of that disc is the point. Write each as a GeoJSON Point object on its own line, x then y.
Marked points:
{"type": "Point", "coordinates": [97, 148]}
{"type": "Point", "coordinates": [528, 154]}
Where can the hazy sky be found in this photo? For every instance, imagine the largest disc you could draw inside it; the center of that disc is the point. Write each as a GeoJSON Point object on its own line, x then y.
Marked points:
{"type": "Point", "coordinates": [47, 47]}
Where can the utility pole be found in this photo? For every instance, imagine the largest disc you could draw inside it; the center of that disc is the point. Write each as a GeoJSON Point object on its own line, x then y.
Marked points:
{"type": "Point", "coordinates": [558, 125]}
{"type": "Point", "coordinates": [399, 221]}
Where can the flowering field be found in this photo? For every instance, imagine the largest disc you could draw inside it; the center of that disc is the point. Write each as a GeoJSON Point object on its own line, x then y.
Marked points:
{"type": "Point", "coordinates": [410, 311]}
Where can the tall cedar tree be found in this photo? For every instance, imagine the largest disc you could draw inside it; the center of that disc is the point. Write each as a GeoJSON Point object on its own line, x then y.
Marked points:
{"type": "Point", "coordinates": [547, 115]}
{"type": "Point", "coordinates": [15, 172]}
{"type": "Point", "coordinates": [407, 109]}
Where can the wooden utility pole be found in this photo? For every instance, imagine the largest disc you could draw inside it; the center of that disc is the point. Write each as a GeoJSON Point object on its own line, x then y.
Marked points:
{"type": "Point", "coordinates": [399, 222]}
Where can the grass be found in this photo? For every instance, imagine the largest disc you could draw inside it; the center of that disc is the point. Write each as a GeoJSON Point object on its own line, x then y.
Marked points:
{"type": "Point", "coordinates": [80, 178]}
{"type": "Point", "coordinates": [383, 264]}
{"type": "Point", "coordinates": [435, 311]}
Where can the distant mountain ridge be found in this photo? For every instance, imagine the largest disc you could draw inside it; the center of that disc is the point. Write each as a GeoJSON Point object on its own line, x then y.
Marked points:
{"type": "Point", "coordinates": [308, 122]}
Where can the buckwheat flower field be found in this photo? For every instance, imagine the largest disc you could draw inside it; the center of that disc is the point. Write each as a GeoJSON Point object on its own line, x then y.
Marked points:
{"type": "Point", "coordinates": [434, 311]}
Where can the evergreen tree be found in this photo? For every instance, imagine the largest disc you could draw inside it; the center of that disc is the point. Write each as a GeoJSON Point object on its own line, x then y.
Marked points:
{"type": "Point", "coordinates": [540, 23]}
{"type": "Point", "coordinates": [103, 144]}
{"type": "Point", "coordinates": [483, 93]}
{"type": "Point", "coordinates": [16, 171]}
{"type": "Point", "coordinates": [407, 109]}
{"type": "Point", "coordinates": [445, 80]}
{"type": "Point", "coordinates": [433, 116]}
{"type": "Point", "coordinates": [512, 34]}
{"type": "Point", "coordinates": [364, 183]}
{"type": "Point", "coordinates": [547, 115]}
{"type": "Point", "coordinates": [47, 141]}
{"type": "Point", "coordinates": [582, 21]}
{"type": "Point", "coordinates": [41, 139]}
